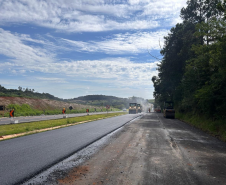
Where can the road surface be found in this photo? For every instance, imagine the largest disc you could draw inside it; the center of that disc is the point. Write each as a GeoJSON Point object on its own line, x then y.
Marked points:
{"type": "Point", "coordinates": [25, 119]}
{"type": "Point", "coordinates": [151, 150]}
{"type": "Point", "coordinates": [22, 157]}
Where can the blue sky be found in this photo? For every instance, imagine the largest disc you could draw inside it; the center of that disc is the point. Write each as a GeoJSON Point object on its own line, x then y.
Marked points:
{"type": "Point", "coordinates": [72, 48]}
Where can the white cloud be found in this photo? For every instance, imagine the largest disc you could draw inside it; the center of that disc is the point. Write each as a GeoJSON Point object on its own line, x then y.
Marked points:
{"type": "Point", "coordinates": [16, 47]}
{"type": "Point", "coordinates": [119, 72]}
{"type": "Point", "coordinates": [13, 46]}
{"type": "Point", "coordinates": [90, 16]}
{"type": "Point", "coordinates": [52, 80]}
{"type": "Point", "coordinates": [32, 58]}
{"type": "Point", "coordinates": [139, 42]}
{"type": "Point", "coordinates": [164, 9]}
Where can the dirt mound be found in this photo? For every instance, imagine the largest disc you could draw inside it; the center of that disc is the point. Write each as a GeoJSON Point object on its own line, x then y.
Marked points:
{"type": "Point", "coordinates": [40, 104]}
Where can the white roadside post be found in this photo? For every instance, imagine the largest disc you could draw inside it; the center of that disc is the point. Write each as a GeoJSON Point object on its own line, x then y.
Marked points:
{"type": "Point", "coordinates": [12, 121]}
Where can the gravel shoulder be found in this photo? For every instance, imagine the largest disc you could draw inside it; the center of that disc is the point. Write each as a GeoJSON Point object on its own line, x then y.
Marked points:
{"type": "Point", "coordinates": [153, 150]}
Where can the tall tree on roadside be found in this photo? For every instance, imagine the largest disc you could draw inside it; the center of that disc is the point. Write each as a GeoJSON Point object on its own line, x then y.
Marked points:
{"type": "Point", "coordinates": [208, 69]}
{"type": "Point", "coordinates": [198, 11]}
{"type": "Point", "coordinates": [175, 52]}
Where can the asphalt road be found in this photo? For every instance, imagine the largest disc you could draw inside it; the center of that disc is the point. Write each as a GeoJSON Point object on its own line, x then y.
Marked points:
{"type": "Point", "coordinates": [25, 119]}
{"type": "Point", "coordinates": [152, 151]}
{"type": "Point", "coordinates": [180, 154]}
{"type": "Point", "coordinates": [21, 158]}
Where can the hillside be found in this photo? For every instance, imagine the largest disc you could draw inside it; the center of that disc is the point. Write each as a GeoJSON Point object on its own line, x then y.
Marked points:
{"type": "Point", "coordinates": [25, 92]}
{"type": "Point", "coordinates": [102, 100]}
{"type": "Point", "coordinates": [46, 101]}
{"type": "Point", "coordinates": [31, 107]}
{"type": "Point", "coordinates": [39, 104]}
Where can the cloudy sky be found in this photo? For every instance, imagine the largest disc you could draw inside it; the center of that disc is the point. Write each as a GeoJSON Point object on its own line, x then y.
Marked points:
{"type": "Point", "coordinates": [72, 48]}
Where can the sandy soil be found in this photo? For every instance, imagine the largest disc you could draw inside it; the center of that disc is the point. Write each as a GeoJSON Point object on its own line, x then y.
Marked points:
{"type": "Point", "coordinates": [40, 104]}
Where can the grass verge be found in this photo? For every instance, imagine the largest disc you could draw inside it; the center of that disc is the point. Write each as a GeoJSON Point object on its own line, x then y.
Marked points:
{"type": "Point", "coordinates": [29, 128]}
{"type": "Point", "coordinates": [27, 110]}
{"type": "Point", "coordinates": [216, 128]}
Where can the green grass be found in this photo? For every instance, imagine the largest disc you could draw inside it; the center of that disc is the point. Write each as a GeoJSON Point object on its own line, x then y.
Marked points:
{"type": "Point", "coordinates": [213, 127]}
{"type": "Point", "coordinates": [33, 126]}
{"type": "Point", "coordinates": [26, 110]}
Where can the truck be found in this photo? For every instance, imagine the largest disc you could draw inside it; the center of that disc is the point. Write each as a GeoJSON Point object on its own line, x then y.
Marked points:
{"type": "Point", "coordinates": [133, 108]}
{"type": "Point", "coordinates": [139, 108]}
{"type": "Point", "coordinates": [169, 111]}
{"type": "Point", "coordinates": [158, 109]}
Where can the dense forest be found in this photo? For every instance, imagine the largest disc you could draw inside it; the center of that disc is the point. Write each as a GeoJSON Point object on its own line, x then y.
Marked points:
{"type": "Point", "coordinates": [25, 92]}
{"type": "Point", "coordinates": [192, 72]}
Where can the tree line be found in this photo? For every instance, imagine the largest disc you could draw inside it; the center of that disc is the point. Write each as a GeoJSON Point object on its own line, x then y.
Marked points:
{"type": "Point", "coordinates": [192, 72]}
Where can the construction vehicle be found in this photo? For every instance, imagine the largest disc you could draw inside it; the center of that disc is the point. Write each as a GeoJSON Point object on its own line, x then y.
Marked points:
{"type": "Point", "coordinates": [169, 111]}
{"type": "Point", "coordinates": [158, 109]}
{"type": "Point", "coordinates": [133, 108]}
{"type": "Point", "coordinates": [139, 108]}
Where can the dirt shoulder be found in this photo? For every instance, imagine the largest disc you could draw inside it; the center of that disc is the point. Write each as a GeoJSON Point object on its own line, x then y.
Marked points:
{"type": "Point", "coordinates": [151, 150]}
{"type": "Point", "coordinates": [120, 162]}
{"type": "Point", "coordinates": [40, 104]}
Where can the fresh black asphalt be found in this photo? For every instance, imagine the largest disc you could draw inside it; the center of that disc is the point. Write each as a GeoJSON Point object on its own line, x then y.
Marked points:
{"type": "Point", "coordinates": [23, 157]}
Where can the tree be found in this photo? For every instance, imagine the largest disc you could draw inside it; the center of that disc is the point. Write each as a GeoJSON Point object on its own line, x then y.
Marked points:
{"type": "Point", "coordinates": [221, 6]}
{"type": "Point", "coordinates": [193, 69]}
{"type": "Point", "coordinates": [172, 67]}
{"type": "Point", "coordinates": [208, 69]}
{"type": "Point", "coordinates": [198, 11]}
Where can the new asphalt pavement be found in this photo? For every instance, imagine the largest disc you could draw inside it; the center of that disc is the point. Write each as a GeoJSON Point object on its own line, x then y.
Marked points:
{"type": "Point", "coordinates": [21, 158]}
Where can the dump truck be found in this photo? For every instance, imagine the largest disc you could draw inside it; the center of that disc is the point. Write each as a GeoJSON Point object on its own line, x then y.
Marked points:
{"type": "Point", "coordinates": [169, 111]}
{"type": "Point", "coordinates": [139, 108]}
{"type": "Point", "coordinates": [133, 108]}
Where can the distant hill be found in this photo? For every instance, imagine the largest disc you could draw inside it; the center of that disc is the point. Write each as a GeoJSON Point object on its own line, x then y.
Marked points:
{"type": "Point", "coordinates": [151, 101]}
{"type": "Point", "coordinates": [94, 100]}
{"type": "Point", "coordinates": [102, 100]}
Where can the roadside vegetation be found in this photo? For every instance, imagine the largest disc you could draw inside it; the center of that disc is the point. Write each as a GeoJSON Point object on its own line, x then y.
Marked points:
{"type": "Point", "coordinates": [26, 110]}
{"type": "Point", "coordinates": [215, 128]}
{"type": "Point", "coordinates": [39, 125]}
{"type": "Point", "coordinates": [192, 72]}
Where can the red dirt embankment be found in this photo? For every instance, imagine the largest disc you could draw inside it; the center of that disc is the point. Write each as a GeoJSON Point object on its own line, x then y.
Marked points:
{"type": "Point", "coordinates": [40, 104]}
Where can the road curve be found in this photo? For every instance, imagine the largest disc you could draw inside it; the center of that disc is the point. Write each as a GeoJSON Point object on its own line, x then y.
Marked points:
{"type": "Point", "coordinates": [26, 119]}
{"type": "Point", "coordinates": [23, 157]}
